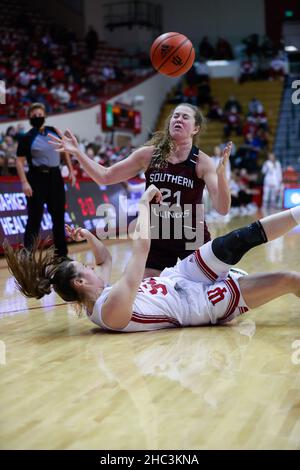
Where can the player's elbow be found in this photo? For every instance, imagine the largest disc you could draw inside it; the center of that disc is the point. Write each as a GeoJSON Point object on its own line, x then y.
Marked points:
{"type": "Point", "coordinates": [107, 177]}
{"type": "Point", "coordinates": [100, 176]}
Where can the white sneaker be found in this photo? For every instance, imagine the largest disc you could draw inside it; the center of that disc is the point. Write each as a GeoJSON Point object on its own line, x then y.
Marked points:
{"type": "Point", "coordinates": [243, 211]}
{"type": "Point", "coordinates": [234, 211]}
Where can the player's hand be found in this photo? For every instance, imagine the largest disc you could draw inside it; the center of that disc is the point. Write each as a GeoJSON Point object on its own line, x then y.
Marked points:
{"type": "Point", "coordinates": [224, 159]}
{"type": "Point", "coordinates": [77, 234]}
{"type": "Point", "coordinates": [27, 189]}
{"type": "Point", "coordinates": [66, 142]}
{"type": "Point", "coordinates": [152, 193]}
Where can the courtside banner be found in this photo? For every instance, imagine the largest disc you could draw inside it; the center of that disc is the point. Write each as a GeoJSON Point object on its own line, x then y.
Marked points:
{"type": "Point", "coordinates": [101, 209]}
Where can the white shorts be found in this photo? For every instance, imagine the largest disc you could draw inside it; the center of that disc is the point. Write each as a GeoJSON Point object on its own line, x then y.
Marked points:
{"type": "Point", "coordinates": [225, 300]}
{"type": "Point", "coordinates": [219, 299]}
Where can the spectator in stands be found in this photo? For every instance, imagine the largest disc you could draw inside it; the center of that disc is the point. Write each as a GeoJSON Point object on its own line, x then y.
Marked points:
{"type": "Point", "coordinates": [108, 73]}
{"type": "Point", "coordinates": [54, 58]}
{"type": "Point", "coordinates": [8, 155]}
{"type": "Point", "coordinates": [253, 144]}
{"type": "Point", "coordinates": [252, 45]}
{"type": "Point", "coordinates": [249, 126]}
{"type": "Point", "coordinates": [272, 182]}
{"type": "Point", "coordinates": [61, 94]}
{"type": "Point", "coordinates": [241, 195]}
{"type": "Point", "coordinates": [277, 68]}
{"type": "Point", "coordinates": [253, 105]}
{"type": "Point", "coordinates": [267, 47]}
{"type": "Point", "coordinates": [233, 122]}
{"type": "Point", "coordinates": [247, 70]}
{"type": "Point", "coordinates": [246, 155]}
{"type": "Point", "coordinates": [263, 136]}
{"type": "Point", "coordinates": [202, 70]}
{"type": "Point", "coordinates": [260, 117]}
{"type": "Point", "coordinates": [12, 132]}
{"type": "Point", "coordinates": [232, 101]}
{"type": "Point", "coordinates": [215, 111]}
{"type": "Point", "coordinates": [223, 50]}
{"type": "Point", "coordinates": [204, 93]}
{"type": "Point", "coordinates": [206, 49]}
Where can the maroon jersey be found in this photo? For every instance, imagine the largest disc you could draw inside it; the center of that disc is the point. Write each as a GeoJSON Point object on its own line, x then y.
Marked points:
{"type": "Point", "coordinates": [182, 191]}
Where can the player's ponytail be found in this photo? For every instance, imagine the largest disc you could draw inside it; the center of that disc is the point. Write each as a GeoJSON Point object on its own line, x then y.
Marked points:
{"type": "Point", "coordinates": [36, 271]}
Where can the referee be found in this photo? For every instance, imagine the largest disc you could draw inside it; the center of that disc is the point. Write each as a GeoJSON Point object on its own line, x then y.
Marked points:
{"type": "Point", "coordinates": [43, 183]}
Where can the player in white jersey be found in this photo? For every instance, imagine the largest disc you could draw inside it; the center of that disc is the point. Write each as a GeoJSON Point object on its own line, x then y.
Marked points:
{"type": "Point", "coordinates": [199, 290]}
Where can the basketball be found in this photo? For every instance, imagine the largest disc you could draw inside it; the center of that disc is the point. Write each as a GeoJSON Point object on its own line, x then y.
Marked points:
{"type": "Point", "coordinates": [172, 54]}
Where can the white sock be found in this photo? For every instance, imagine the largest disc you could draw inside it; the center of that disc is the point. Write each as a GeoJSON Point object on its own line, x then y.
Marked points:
{"type": "Point", "coordinates": [295, 211]}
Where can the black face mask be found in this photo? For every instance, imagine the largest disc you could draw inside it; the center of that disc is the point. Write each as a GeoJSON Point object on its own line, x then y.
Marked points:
{"type": "Point", "coordinates": [37, 122]}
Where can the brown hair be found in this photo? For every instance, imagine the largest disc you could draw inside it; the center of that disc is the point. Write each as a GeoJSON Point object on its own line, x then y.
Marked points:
{"type": "Point", "coordinates": [36, 105]}
{"type": "Point", "coordinates": [163, 142]}
{"type": "Point", "coordinates": [36, 270]}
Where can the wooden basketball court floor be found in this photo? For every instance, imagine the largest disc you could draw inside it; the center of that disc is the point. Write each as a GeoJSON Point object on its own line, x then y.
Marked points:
{"type": "Point", "coordinates": [67, 385]}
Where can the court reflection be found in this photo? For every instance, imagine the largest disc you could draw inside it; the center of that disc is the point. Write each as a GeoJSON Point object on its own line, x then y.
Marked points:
{"type": "Point", "coordinates": [166, 379]}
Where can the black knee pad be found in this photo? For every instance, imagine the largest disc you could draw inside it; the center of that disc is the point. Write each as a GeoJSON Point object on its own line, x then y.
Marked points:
{"type": "Point", "coordinates": [231, 247]}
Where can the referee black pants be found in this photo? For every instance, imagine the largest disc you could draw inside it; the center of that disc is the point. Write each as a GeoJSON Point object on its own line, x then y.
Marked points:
{"type": "Point", "coordinates": [48, 188]}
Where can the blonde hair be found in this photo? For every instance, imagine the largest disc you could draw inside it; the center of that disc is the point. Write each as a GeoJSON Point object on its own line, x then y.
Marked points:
{"type": "Point", "coordinates": [37, 270]}
{"type": "Point", "coordinates": [163, 142]}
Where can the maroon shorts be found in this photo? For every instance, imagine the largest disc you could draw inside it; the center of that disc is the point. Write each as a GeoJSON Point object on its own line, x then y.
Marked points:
{"type": "Point", "coordinates": [165, 253]}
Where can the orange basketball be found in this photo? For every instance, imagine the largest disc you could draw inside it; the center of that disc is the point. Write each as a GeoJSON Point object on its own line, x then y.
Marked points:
{"type": "Point", "coordinates": [172, 54]}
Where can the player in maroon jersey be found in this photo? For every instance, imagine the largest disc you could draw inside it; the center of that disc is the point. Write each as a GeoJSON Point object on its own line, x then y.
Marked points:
{"type": "Point", "coordinates": [177, 167]}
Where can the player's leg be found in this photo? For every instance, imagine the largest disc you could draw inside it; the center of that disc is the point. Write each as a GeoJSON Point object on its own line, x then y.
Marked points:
{"type": "Point", "coordinates": [213, 260]}
{"type": "Point", "coordinates": [231, 248]}
{"type": "Point", "coordinates": [231, 297]}
{"type": "Point", "coordinates": [258, 289]}
{"type": "Point", "coordinates": [276, 225]}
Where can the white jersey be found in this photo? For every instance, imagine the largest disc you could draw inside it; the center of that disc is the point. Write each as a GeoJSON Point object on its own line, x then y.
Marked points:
{"type": "Point", "coordinates": [197, 291]}
{"type": "Point", "coordinates": [272, 172]}
{"type": "Point", "coordinates": [160, 303]}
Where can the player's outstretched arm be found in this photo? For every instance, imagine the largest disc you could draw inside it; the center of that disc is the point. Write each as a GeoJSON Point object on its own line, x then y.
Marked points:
{"type": "Point", "coordinates": [128, 168]}
{"type": "Point", "coordinates": [117, 309]}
